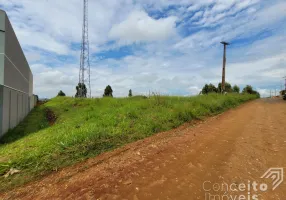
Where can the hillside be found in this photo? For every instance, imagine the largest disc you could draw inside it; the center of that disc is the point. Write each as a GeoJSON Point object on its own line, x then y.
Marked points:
{"type": "Point", "coordinates": [67, 130]}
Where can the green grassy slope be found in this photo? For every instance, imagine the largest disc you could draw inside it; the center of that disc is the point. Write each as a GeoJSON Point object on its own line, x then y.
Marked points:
{"type": "Point", "coordinates": [87, 127]}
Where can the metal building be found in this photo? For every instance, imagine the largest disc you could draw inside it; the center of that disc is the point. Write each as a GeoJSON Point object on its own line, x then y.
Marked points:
{"type": "Point", "coordinates": [16, 79]}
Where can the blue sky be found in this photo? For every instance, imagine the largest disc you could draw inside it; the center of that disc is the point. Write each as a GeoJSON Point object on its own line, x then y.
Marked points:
{"type": "Point", "coordinates": [166, 46]}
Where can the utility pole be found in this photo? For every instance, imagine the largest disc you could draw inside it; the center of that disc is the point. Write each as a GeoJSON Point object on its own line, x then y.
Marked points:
{"type": "Point", "coordinates": [223, 66]}
{"type": "Point", "coordinates": [285, 83]}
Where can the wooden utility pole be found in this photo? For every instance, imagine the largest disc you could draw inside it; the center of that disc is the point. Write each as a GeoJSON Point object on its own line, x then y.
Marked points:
{"type": "Point", "coordinates": [223, 66]}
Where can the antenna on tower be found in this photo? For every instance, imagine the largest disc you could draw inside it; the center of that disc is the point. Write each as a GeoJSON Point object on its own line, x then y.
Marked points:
{"type": "Point", "coordinates": [84, 70]}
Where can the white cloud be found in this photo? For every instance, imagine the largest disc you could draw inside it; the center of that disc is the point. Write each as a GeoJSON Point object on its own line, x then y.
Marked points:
{"type": "Point", "coordinates": [233, 28]}
{"type": "Point", "coordinates": [223, 5]}
{"type": "Point", "coordinates": [175, 56]}
{"type": "Point", "coordinates": [55, 26]}
{"type": "Point", "coordinates": [140, 27]}
{"type": "Point", "coordinates": [217, 14]}
{"type": "Point", "coordinates": [193, 7]}
{"type": "Point", "coordinates": [197, 15]}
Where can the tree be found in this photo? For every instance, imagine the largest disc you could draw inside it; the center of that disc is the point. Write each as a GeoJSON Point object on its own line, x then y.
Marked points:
{"type": "Point", "coordinates": [227, 87]}
{"type": "Point", "coordinates": [130, 93]}
{"type": "Point", "coordinates": [212, 88]}
{"type": "Point", "coordinates": [209, 88]}
{"type": "Point", "coordinates": [236, 89]}
{"type": "Point", "coordinates": [256, 93]}
{"type": "Point", "coordinates": [248, 89]}
{"type": "Point", "coordinates": [81, 90]}
{"type": "Point", "coordinates": [108, 91]}
{"type": "Point", "coordinates": [61, 94]}
{"type": "Point", "coordinates": [205, 89]}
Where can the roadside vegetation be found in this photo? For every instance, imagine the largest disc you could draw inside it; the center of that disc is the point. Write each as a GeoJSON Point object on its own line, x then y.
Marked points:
{"type": "Point", "coordinates": [67, 130]}
{"type": "Point", "coordinates": [210, 88]}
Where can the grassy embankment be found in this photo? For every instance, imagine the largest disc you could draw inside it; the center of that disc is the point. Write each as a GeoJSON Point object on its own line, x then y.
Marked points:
{"type": "Point", "coordinates": [87, 127]}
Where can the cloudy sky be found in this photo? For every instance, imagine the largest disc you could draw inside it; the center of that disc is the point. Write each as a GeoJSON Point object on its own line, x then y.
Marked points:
{"type": "Point", "coordinates": [167, 46]}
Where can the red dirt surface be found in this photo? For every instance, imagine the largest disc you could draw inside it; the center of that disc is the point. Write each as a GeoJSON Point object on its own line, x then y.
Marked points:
{"type": "Point", "coordinates": [232, 148]}
{"type": "Point", "coordinates": [51, 117]}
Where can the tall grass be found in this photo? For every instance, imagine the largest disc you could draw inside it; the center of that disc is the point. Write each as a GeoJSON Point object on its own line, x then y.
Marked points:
{"type": "Point", "coordinates": [88, 127]}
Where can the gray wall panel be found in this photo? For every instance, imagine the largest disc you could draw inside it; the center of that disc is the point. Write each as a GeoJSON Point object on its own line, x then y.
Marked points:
{"type": "Point", "coordinates": [2, 58]}
{"type": "Point", "coordinates": [6, 110]}
{"type": "Point", "coordinates": [20, 105]}
{"type": "Point", "coordinates": [24, 106]}
{"type": "Point", "coordinates": [2, 45]}
{"type": "Point", "coordinates": [13, 78]}
{"type": "Point", "coordinates": [2, 20]}
{"type": "Point", "coordinates": [26, 111]}
{"type": "Point", "coordinates": [2, 42]}
{"type": "Point", "coordinates": [1, 108]}
{"type": "Point", "coordinates": [14, 51]}
{"type": "Point", "coordinates": [13, 109]}
{"type": "Point", "coordinates": [27, 105]}
{"type": "Point", "coordinates": [16, 78]}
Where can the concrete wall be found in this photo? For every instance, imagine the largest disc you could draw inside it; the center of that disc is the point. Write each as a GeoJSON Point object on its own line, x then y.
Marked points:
{"type": "Point", "coordinates": [16, 108]}
{"type": "Point", "coordinates": [2, 46]}
{"type": "Point", "coordinates": [1, 108]}
{"type": "Point", "coordinates": [2, 56]}
{"type": "Point", "coordinates": [6, 110]}
{"type": "Point", "coordinates": [14, 52]}
{"type": "Point", "coordinates": [16, 79]}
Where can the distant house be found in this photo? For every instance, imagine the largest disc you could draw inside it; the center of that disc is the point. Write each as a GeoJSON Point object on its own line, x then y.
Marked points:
{"type": "Point", "coordinates": [16, 79]}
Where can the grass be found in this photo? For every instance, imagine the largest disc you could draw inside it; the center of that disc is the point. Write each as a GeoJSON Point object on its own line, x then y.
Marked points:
{"type": "Point", "coordinates": [87, 127]}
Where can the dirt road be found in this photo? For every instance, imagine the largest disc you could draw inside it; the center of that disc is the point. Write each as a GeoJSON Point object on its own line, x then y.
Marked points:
{"type": "Point", "coordinates": [214, 157]}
